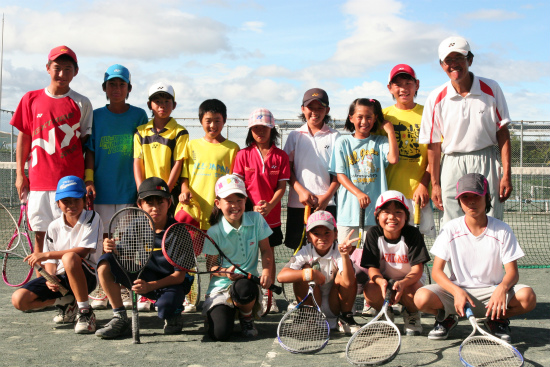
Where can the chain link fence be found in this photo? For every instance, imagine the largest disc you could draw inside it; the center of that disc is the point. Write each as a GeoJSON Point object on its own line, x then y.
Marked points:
{"type": "Point", "coordinates": [527, 211]}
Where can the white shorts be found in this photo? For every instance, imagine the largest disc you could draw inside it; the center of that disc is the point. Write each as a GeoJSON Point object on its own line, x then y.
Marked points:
{"type": "Point", "coordinates": [480, 296]}
{"type": "Point", "coordinates": [427, 223]}
{"type": "Point", "coordinates": [106, 212]}
{"type": "Point", "coordinates": [42, 210]}
{"type": "Point", "coordinates": [223, 297]}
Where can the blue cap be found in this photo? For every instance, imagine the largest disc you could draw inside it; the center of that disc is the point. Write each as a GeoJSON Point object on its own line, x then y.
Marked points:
{"type": "Point", "coordinates": [70, 187]}
{"type": "Point", "coordinates": [117, 71]}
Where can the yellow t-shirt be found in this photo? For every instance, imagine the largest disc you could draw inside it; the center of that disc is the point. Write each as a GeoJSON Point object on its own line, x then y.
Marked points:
{"type": "Point", "coordinates": [160, 150]}
{"type": "Point", "coordinates": [205, 163]}
{"type": "Point", "coordinates": [413, 157]}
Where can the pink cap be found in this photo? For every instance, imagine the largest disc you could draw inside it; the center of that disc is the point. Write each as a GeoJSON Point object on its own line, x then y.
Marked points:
{"type": "Point", "coordinates": [401, 69]}
{"type": "Point", "coordinates": [321, 218]}
{"type": "Point", "coordinates": [261, 116]}
{"type": "Point", "coordinates": [61, 50]}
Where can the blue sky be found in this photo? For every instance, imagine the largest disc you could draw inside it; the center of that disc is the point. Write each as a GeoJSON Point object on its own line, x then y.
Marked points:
{"type": "Point", "coordinates": [267, 54]}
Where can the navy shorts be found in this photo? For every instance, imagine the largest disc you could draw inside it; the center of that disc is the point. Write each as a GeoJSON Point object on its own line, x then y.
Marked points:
{"type": "Point", "coordinates": [38, 286]}
{"type": "Point", "coordinates": [276, 238]}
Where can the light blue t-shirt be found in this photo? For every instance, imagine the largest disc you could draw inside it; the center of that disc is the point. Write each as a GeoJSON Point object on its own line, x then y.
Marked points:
{"type": "Point", "coordinates": [240, 245]}
{"type": "Point", "coordinates": [364, 162]}
{"type": "Point", "coordinates": [112, 142]}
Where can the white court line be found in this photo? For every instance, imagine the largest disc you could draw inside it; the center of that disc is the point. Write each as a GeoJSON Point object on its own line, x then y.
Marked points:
{"type": "Point", "coordinates": [272, 354]}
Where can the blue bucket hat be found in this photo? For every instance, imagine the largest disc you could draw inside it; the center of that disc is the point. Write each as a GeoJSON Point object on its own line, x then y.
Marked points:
{"type": "Point", "coordinates": [70, 187]}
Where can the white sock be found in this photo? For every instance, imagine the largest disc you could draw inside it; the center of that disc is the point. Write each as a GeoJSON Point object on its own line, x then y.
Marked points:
{"type": "Point", "coordinates": [82, 305]}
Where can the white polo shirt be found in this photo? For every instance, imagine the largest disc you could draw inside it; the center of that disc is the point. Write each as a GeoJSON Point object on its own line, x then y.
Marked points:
{"type": "Point", "coordinates": [87, 233]}
{"type": "Point", "coordinates": [311, 157]}
{"type": "Point", "coordinates": [476, 262]}
{"type": "Point", "coordinates": [465, 124]}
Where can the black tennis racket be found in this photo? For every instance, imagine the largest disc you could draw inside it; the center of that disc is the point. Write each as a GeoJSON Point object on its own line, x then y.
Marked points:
{"type": "Point", "coordinates": [132, 229]}
{"type": "Point", "coordinates": [17, 244]}
{"type": "Point", "coordinates": [305, 328]}
{"type": "Point", "coordinates": [486, 349]}
{"type": "Point", "coordinates": [182, 243]}
{"type": "Point", "coordinates": [376, 342]}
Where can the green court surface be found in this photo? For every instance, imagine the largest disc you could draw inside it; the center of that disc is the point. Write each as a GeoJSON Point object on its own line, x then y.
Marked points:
{"type": "Point", "coordinates": [30, 339]}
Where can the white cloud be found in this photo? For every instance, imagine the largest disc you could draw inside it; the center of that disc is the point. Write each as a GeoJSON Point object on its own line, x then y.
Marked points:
{"type": "Point", "coordinates": [492, 15]}
{"type": "Point", "coordinates": [253, 26]}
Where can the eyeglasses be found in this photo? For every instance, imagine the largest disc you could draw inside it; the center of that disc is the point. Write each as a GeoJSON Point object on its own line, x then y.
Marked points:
{"type": "Point", "coordinates": [454, 60]}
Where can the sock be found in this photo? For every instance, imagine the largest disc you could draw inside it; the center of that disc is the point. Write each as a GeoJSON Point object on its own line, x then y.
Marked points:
{"type": "Point", "coordinates": [120, 312]}
{"type": "Point", "coordinates": [82, 305]}
{"type": "Point", "coordinates": [347, 317]}
{"type": "Point", "coordinates": [246, 315]}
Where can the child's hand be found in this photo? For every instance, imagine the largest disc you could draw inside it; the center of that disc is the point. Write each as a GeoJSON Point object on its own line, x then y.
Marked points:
{"type": "Point", "coordinates": [346, 248]}
{"type": "Point", "coordinates": [461, 298]}
{"type": "Point", "coordinates": [399, 288]}
{"type": "Point", "coordinates": [496, 307]}
{"type": "Point", "coordinates": [185, 196]}
{"type": "Point", "coordinates": [388, 127]}
{"type": "Point", "coordinates": [364, 200]}
{"type": "Point", "coordinates": [90, 187]}
{"type": "Point", "coordinates": [263, 207]}
{"type": "Point", "coordinates": [307, 198]}
{"type": "Point", "coordinates": [421, 193]}
{"type": "Point", "coordinates": [51, 286]}
{"type": "Point", "coordinates": [141, 286]}
{"type": "Point", "coordinates": [233, 276]}
{"type": "Point", "coordinates": [35, 258]}
{"type": "Point", "coordinates": [109, 245]}
{"type": "Point", "coordinates": [322, 202]}
{"type": "Point", "coordinates": [265, 279]}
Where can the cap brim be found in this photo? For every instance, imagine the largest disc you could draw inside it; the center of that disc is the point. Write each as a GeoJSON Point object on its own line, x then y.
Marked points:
{"type": "Point", "coordinates": [232, 191]}
{"type": "Point", "coordinates": [308, 102]}
{"type": "Point", "coordinates": [146, 194]}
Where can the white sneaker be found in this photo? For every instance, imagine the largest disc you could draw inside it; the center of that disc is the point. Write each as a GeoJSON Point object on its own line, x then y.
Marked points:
{"type": "Point", "coordinates": [274, 308]}
{"type": "Point", "coordinates": [188, 307]}
{"type": "Point", "coordinates": [368, 310]}
{"type": "Point", "coordinates": [347, 324]}
{"type": "Point", "coordinates": [412, 323]}
{"type": "Point", "coordinates": [98, 304]}
{"type": "Point", "coordinates": [144, 304]}
{"type": "Point", "coordinates": [126, 298]}
{"type": "Point", "coordinates": [66, 313]}
{"type": "Point", "coordinates": [398, 309]}
{"type": "Point", "coordinates": [291, 306]}
{"type": "Point", "coordinates": [85, 322]}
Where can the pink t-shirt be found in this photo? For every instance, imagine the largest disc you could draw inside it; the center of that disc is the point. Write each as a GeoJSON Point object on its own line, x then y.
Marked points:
{"type": "Point", "coordinates": [261, 177]}
{"type": "Point", "coordinates": [55, 124]}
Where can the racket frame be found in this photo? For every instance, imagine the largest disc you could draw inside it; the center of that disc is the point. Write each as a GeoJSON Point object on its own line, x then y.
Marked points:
{"type": "Point", "coordinates": [361, 227]}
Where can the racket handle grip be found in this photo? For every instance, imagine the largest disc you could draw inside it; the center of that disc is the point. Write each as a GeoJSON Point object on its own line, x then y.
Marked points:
{"type": "Point", "coordinates": [274, 287]}
{"type": "Point", "coordinates": [468, 310]}
{"type": "Point", "coordinates": [389, 290]}
{"type": "Point", "coordinates": [417, 213]}
{"type": "Point", "coordinates": [51, 279]}
{"type": "Point", "coordinates": [307, 213]}
{"type": "Point", "coordinates": [362, 217]}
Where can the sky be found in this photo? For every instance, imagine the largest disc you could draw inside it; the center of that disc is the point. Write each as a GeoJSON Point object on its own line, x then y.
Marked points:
{"type": "Point", "coordinates": [253, 54]}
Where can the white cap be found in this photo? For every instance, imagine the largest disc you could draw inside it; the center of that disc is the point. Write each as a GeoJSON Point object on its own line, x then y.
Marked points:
{"type": "Point", "coordinates": [229, 184]}
{"type": "Point", "coordinates": [453, 44]}
{"type": "Point", "coordinates": [390, 195]}
{"type": "Point", "coordinates": [162, 88]}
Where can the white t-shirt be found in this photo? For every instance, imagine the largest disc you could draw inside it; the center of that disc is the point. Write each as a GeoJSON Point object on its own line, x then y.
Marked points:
{"type": "Point", "coordinates": [476, 262]}
{"type": "Point", "coordinates": [465, 124]}
{"type": "Point", "coordinates": [87, 233]}
{"type": "Point", "coordinates": [310, 155]}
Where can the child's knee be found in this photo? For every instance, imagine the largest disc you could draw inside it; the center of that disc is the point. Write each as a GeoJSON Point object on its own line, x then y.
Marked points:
{"type": "Point", "coordinates": [71, 260]}
{"type": "Point", "coordinates": [422, 298]}
{"type": "Point", "coordinates": [527, 298]}
{"type": "Point", "coordinates": [18, 299]}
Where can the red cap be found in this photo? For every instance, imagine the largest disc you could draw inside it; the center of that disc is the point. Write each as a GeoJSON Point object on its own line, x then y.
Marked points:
{"type": "Point", "coordinates": [401, 69]}
{"type": "Point", "coordinates": [61, 50]}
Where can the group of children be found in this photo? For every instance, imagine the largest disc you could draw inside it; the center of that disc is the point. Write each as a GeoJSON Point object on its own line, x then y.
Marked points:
{"type": "Point", "coordinates": [239, 192]}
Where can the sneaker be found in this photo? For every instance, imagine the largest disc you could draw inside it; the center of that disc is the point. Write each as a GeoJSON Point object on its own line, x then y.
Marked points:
{"type": "Point", "coordinates": [499, 328]}
{"type": "Point", "coordinates": [119, 325]}
{"type": "Point", "coordinates": [85, 321]}
{"type": "Point", "coordinates": [173, 325]}
{"type": "Point", "coordinates": [99, 304]}
{"type": "Point", "coordinates": [144, 304]}
{"type": "Point", "coordinates": [291, 306]}
{"type": "Point", "coordinates": [441, 329]}
{"type": "Point", "coordinates": [126, 298]}
{"type": "Point", "coordinates": [274, 308]}
{"type": "Point", "coordinates": [368, 310]}
{"type": "Point", "coordinates": [398, 309]}
{"type": "Point", "coordinates": [188, 307]}
{"type": "Point", "coordinates": [66, 313]}
{"type": "Point", "coordinates": [347, 324]}
{"type": "Point", "coordinates": [247, 326]}
{"type": "Point", "coordinates": [412, 323]}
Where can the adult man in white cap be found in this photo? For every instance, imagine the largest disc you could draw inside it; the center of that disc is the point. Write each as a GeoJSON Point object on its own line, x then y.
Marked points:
{"type": "Point", "coordinates": [464, 118]}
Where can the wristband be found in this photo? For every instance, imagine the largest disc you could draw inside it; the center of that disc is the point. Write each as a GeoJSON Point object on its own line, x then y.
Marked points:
{"type": "Point", "coordinates": [88, 175]}
{"type": "Point", "coordinates": [307, 275]}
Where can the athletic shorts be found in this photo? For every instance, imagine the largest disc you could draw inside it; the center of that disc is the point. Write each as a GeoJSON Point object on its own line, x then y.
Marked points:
{"type": "Point", "coordinates": [106, 212]}
{"type": "Point", "coordinates": [276, 238]}
{"type": "Point", "coordinates": [295, 225]}
{"type": "Point", "coordinates": [38, 286]}
{"type": "Point", "coordinates": [480, 296]}
{"type": "Point", "coordinates": [42, 210]}
{"type": "Point", "coordinates": [427, 223]}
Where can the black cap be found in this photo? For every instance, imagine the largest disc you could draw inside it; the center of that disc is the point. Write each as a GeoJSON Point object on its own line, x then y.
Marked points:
{"type": "Point", "coordinates": [472, 183]}
{"type": "Point", "coordinates": [315, 94]}
{"type": "Point", "coordinates": [153, 186]}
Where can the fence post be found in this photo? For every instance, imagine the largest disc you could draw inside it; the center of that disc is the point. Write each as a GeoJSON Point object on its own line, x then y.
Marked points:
{"type": "Point", "coordinates": [521, 170]}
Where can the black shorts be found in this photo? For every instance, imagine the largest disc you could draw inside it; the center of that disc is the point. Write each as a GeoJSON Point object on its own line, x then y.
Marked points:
{"type": "Point", "coordinates": [295, 225]}
{"type": "Point", "coordinates": [38, 286]}
{"type": "Point", "coordinates": [276, 238]}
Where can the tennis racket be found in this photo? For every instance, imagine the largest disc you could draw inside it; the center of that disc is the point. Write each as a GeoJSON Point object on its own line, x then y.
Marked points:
{"type": "Point", "coordinates": [14, 271]}
{"type": "Point", "coordinates": [181, 244]}
{"type": "Point", "coordinates": [90, 201]}
{"type": "Point", "coordinates": [361, 227]}
{"type": "Point", "coordinates": [417, 216]}
{"type": "Point", "coordinates": [378, 341]}
{"type": "Point", "coordinates": [305, 328]}
{"type": "Point", "coordinates": [194, 295]}
{"type": "Point", "coordinates": [485, 349]}
{"type": "Point", "coordinates": [288, 288]}
{"type": "Point", "coordinates": [132, 229]}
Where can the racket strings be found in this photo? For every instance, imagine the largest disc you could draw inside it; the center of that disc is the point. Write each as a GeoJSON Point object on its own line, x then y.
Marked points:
{"type": "Point", "coordinates": [304, 330]}
{"type": "Point", "coordinates": [375, 343]}
{"type": "Point", "coordinates": [134, 238]}
{"type": "Point", "coordinates": [482, 351]}
{"type": "Point", "coordinates": [180, 244]}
